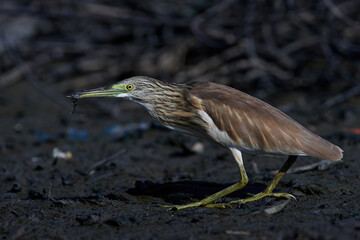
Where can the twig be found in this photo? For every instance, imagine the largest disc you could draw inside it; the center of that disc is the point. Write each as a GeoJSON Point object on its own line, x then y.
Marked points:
{"type": "Point", "coordinates": [238, 233]}
{"type": "Point", "coordinates": [341, 44]}
{"type": "Point", "coordinates": [197, 22]}
{"type": "Point", "coordinates": [249, 39]}
{"type": "Point", "coordinates": [322, 165]}
{"type": "Point", "coordinates": [211, 64]}
{"type": "Point", "coordinates": [274, 50]}
{"type": "Point", "coordinates": [105, 13]}
{"type": "Point", "coordinates": [339, 14]}
{"type": "Point", "coordinates": [125, 15]}
{"type": "Point", "coordinates": [299, 44]}
{"type": "Point", "coordinates": [28, 74]}
{"type": "Point", "coordinates": [277, 208]}
{"type": "Point", "coordinates": [14, 75]}
{"type": "Point", "coordinates": [103, 161]}
{"type": "Point", "coordinates": [342, 97]}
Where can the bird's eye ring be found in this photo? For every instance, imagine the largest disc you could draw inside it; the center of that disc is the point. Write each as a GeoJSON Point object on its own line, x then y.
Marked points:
{"type": "Point", "coordinates": [129, 87]}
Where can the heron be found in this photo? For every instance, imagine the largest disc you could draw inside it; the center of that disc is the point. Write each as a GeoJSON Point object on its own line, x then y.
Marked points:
{"type": "Point", "coordinates": [227, 116]}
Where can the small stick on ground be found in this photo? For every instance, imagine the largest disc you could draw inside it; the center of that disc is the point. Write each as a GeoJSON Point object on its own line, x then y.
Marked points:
{"type": "Point", "coordinates": [103, 161]}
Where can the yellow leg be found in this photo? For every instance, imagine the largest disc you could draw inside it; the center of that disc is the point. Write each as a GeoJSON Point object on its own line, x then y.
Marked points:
{"type": "Point", "coordinates": [268, 191]}
{"type": "Point", "coordinates": [237, 186]}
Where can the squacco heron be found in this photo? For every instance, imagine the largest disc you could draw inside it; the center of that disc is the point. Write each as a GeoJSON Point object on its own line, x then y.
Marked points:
{"type": "Point", "coordinates": [228, 117]}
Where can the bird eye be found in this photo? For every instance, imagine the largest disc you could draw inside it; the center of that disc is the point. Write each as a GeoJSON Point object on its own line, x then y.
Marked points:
{"type": "Point", "coordinates": [129, 87]}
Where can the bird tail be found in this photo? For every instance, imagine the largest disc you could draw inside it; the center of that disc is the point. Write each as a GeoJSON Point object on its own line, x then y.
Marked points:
{"type": "Point", "coordinates": [323, 149]}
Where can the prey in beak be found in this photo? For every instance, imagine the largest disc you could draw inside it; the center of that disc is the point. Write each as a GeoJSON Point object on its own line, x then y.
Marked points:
{"type": "Point", "coordinates": [115, 90]}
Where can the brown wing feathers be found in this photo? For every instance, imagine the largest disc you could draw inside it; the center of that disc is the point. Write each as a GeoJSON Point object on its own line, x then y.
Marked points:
{"type": "Point", "coordinates": [255, 125]}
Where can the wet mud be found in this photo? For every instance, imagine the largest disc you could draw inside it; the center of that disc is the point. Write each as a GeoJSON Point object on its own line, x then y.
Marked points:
{"type": "Point", "coordinates": [106, 170]}
{"type": "Point", "coordinates": [112, 184]}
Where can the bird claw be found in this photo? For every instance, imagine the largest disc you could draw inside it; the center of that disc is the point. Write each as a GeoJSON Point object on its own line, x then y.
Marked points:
{"type": "Point", "coordinates": [180, 207]}
{"type": "Point", "coordinates": [262, 195]}
{"type": "Point", "coordinates": [254, 197]}
{"type": "Point", "coordinates": [170, 207]}
{"type": "Point", "coordinates": [218, 205]}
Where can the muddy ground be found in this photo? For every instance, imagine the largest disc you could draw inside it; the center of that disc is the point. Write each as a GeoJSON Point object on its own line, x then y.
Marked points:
{"type": "Point", "coordinates": [105, 171]}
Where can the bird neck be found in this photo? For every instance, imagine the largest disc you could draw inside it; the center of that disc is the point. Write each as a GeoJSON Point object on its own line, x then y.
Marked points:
{"type": "Point", "coordinates": [170, 106]}
{"type": "Point", "coordinates": [169, 102]}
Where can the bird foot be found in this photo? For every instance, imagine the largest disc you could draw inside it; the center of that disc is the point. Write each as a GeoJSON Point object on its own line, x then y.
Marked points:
{"type": "Point", "coordinates": [253, 198]}
{"type": "Point", "coordinates": [231, 203]}
{"type": "Point", "coordinates": [180, 207]}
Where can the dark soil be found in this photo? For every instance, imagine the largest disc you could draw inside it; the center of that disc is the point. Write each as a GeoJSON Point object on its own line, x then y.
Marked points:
{"type": "Point", "coordinates": [120, 167]}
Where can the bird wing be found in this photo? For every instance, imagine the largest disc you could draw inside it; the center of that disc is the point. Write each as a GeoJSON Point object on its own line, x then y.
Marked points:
{"type": "Point", "coordinates": [236, 119]}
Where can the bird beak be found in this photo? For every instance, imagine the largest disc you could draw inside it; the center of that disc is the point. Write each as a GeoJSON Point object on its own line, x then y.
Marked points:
{"type": "Point", "coordinates": [110, 91]}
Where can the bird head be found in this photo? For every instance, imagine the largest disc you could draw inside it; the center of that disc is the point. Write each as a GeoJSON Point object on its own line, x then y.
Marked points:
{"type": "Point", "coordinates": [136, 88]}
{"type": "Point", "coordinates": [148, 92]}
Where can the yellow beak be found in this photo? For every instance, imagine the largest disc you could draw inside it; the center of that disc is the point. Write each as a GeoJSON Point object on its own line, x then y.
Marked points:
{"type": "Point", "coordinates": [100, 92]}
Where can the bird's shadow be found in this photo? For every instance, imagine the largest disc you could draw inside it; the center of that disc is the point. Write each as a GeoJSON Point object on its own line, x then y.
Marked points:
{"type": "Point", "coordinates": [181, 191]}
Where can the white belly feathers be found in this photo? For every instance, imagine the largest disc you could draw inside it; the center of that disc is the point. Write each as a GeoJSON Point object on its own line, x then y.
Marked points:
{"type": "Point", "coordinates": [213, 131]}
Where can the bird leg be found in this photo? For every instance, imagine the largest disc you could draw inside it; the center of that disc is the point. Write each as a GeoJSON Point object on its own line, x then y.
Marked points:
{"type": "Point", "coordinates": [268, 191]}
{"type": "Point", "coordinates": [237, 186]}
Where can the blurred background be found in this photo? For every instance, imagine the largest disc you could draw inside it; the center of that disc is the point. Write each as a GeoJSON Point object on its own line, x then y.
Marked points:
{"type": "Point", "coordinates": [300, 56]}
